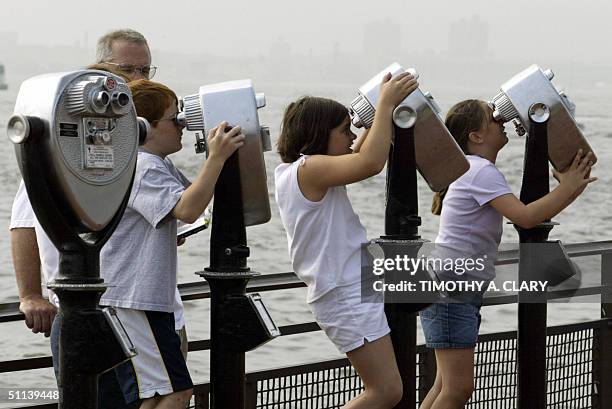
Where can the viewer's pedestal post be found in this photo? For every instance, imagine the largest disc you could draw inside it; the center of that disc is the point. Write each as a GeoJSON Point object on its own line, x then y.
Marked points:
{"type": "Point", "coordinates": [228, 276]}
{"type": "Point", "coordinates": [417, 128]}
{"type": "Point", "coordinates": [402, 223]}
{"type": "Point", "coordinates": [531, 342]}
{"type": "Point", "coordinates": [602, 345]}
{"type": "Point", "coordinates": [87, 346]}
{"type": "Point", "coordinates": [236, 319]}
{"type": "Point", "coordinates": [535, 105]}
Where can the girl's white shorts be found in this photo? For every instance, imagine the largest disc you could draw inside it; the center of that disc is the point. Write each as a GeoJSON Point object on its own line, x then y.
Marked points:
{"type": "Point", "coordinates": [347, 321]}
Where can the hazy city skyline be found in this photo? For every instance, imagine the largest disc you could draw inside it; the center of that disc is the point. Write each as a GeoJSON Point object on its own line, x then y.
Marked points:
{"type": "Point", "coordinates": [241, 27]}
{"type": "Point", "coordinates": [469, 46]}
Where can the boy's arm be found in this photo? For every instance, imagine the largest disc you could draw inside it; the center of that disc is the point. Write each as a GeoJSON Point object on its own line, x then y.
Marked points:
{"type": "Point", "coordinates": [222, 143]}
{"type": "Point", "coordinates": [196, 197]}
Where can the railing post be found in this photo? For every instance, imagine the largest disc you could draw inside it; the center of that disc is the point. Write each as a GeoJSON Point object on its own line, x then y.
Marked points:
{"type": "Point", "coordinates": [250, 394]}
{"type": "Point", "coordinates": [602, 374]}
{"type": "Point", "coordinates": [427, 372]}
{"type": "Point", "coordinates": [227, 276]}
{"type": "Point", "coordinates": [531, 335]}
{"type": "Point", "coordinates": [201, 401]}
{"type": "Point", "coordinates": [236, 323]}
{"type": "Point", "coordinates": [402, 223]}
{"type": "Point", "coordinates": [531, 354]}
{"type": "Point", "coordinates": [403, 337]}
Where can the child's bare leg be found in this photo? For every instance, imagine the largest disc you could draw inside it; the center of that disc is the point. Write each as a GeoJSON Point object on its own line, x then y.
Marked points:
{"type": "Point", "coordinates": [176, 400]}
{"type": "Point", "coordinates": [375, 364]}
{"type": "Point", "coordinates": [456, 367]}
{"type": "Point", "coordinates": [149, 403]}
{"type": "Point", "coordinates": [433, 392]}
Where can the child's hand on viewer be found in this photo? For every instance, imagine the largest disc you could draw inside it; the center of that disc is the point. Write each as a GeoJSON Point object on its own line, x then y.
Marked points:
{"type": "Point", "coordinates": [395, 90]}
{"type": "Point", "coordinates": [222, 142]}
{"type": "Point", "coordinates": [578, 175]}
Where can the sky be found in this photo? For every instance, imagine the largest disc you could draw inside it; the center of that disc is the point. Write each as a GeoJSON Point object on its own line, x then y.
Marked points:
{"type": "Point", "coordinates": [552, 29]}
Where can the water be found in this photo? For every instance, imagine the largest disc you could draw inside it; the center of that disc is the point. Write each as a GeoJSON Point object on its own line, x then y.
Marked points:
{"type": "Point", "coordinates": [586, 220]}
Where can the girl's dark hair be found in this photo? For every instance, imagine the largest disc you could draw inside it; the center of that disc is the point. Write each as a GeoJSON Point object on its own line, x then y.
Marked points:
{"type": "Point", "coordinates": [464, 117]}
{"type": "Point", "coordinates": [306, 126]}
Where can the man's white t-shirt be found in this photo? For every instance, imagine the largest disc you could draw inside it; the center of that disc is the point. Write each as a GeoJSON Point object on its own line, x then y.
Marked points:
{"type": "Point", "coordinates": [22, 216]}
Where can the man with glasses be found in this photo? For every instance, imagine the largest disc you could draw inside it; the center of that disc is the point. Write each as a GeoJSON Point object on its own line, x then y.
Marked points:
{"type": "Point", "coordinates": [32, 250]}
{"type": "Point", "coordinates": [128, 51]}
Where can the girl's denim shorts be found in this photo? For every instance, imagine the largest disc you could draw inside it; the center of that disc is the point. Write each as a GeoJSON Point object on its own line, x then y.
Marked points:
{"type": "Point", "coordinates": [451, 325]}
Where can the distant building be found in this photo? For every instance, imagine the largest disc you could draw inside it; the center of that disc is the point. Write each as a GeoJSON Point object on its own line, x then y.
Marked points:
{"type": "Point", "coordinates": [281, 60]}
{"type": "Point", "coordinates": [8, 41]}
{"type": "Point", "coordinates": [382, 42]}
{"type": "Point", "coordinates": [281, 49]}
{"type": "Point", "coordinates": [3, 84]}
{"type": "Point", "coordinates": [8, 49]}
{"type": "Point", "coordinates": [468, 38]}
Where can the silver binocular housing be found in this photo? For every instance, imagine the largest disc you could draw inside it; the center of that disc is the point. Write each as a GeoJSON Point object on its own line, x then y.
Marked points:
{"type": "Point", "coordinates": [531, 96]}
{"type": "Point", "coordinates": [363, 107]}
{"type": "Point", "coordinates": [438, 157]}
{"type": "Point", "coordinates": [86, 125]}
{"type": "Point", "coordinates": [236, 103]}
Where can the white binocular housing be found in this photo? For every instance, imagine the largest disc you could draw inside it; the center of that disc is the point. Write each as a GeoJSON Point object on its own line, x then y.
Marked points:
{"type": "Point", "coordinates": [363, 107]}
{"type": "Point", "coordinates": [531, 96]}
{"type": "Point", "coordinates": [438, 157]}
{"type": "Point", "coordinates": [84, 125]}
{"type": "Point", "coordinates": [236, 103]}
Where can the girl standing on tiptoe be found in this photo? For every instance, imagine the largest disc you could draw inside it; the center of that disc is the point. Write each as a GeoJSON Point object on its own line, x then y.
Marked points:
{"type": "Point", "coordinates": [325, 234]}
{"type": "Point", "coordinates": [474, 207]}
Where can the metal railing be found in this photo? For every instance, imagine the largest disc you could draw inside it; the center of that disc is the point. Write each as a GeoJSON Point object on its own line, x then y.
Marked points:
{"type": "Point", "coordinates": [578, 370]}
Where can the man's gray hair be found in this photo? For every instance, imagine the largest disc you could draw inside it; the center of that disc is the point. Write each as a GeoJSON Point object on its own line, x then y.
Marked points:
{"type": "Point", "coordinates": [104, 51]}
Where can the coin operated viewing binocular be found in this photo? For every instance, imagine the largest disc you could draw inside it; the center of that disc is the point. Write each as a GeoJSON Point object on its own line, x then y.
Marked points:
{"type": "Point", "coordinates": [438, 157]}
{"type": "Point", "coordinates": [84, 126]}
{"type": "Point", "coordinates": [76, 139]}
{"type": "Point", "coordinates": [421, 142]}
{"type": "Point", "coordinates": [546, 115]}
{"type": "Point", "coordinates": [237, 103]}
{"type": "Point", "coordinates": [531, 96]}
{"type": "Point", "coordinates": [239, 321]}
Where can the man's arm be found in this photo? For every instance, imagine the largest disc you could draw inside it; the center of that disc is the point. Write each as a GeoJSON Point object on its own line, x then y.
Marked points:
{"type": "Point", "coordinates": [39, 312]}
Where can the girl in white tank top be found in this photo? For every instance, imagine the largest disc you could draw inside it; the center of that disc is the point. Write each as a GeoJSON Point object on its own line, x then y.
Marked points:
{"type": "Point", "coordinates": [325, 234]}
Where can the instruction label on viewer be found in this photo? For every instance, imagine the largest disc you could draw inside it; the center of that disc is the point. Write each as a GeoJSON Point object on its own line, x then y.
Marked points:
{"type": "Point", "coordinates": [99, 157]}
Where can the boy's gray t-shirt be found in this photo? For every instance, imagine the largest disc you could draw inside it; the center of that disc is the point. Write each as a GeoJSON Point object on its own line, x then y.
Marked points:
{"type": "Point", "coordinates": [139, 261]}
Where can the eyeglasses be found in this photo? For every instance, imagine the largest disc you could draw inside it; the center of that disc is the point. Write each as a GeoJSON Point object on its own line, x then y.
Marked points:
{"type": "Point", "coordinates": [147, 71]}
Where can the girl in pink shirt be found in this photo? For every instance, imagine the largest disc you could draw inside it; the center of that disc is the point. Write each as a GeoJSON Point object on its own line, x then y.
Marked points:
{"type": "Point", "coordinates": [472, 211]}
